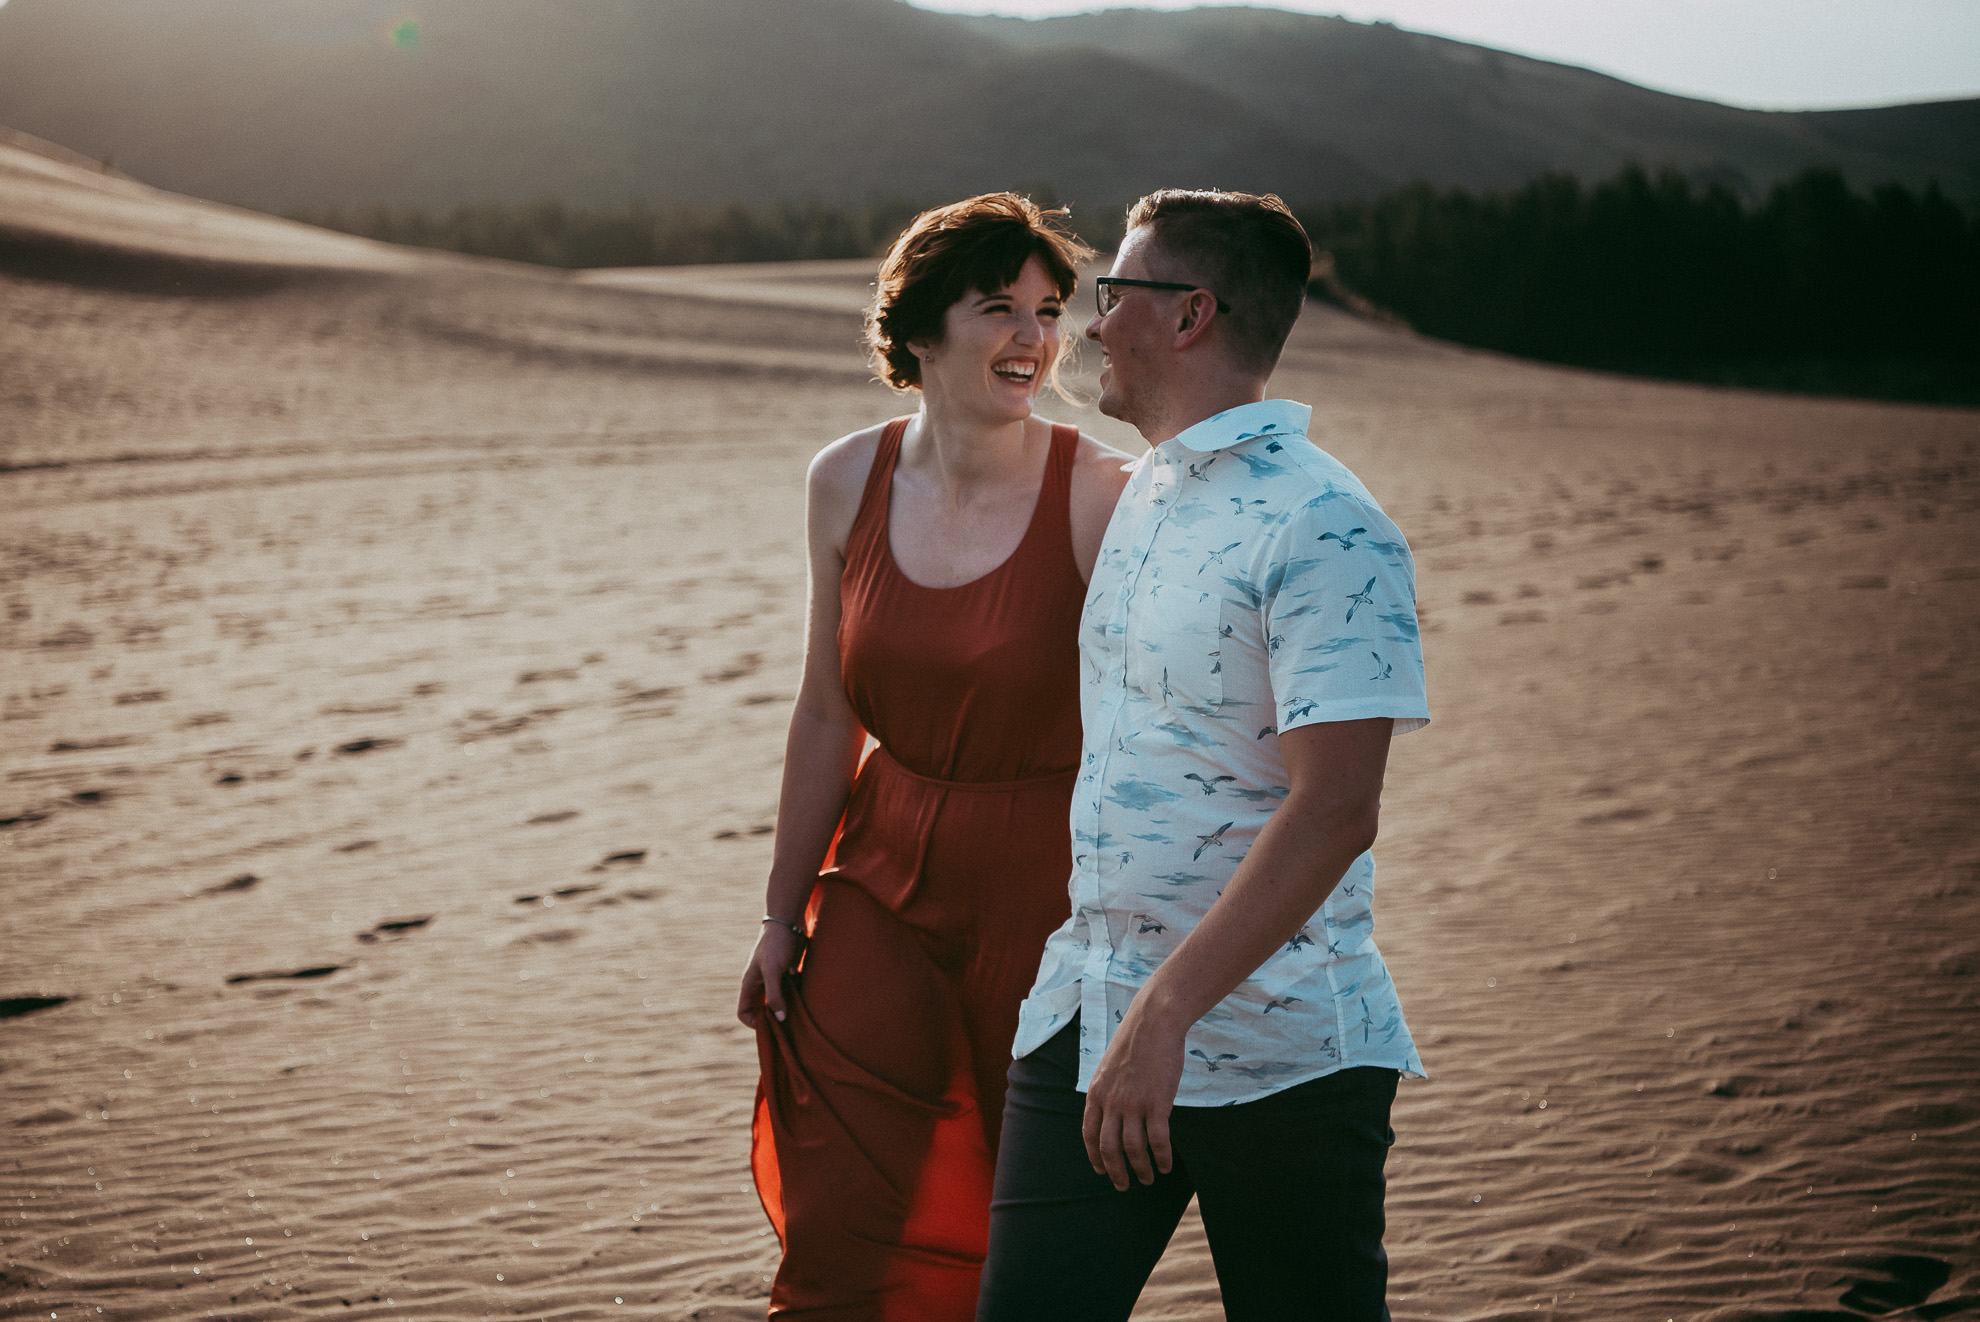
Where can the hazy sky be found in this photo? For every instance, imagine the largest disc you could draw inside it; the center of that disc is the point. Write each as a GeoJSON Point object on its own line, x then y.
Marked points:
{"type": "Point", "coordinates": [1776, 54]}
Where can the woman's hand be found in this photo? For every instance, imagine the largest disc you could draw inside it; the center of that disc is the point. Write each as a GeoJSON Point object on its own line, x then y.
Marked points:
{"type": "Point", "coordinates": [776, 954]}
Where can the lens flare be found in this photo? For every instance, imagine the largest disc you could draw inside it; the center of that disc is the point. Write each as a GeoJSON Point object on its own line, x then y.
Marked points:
{"type": "Point", "coordinates": [406, 35]}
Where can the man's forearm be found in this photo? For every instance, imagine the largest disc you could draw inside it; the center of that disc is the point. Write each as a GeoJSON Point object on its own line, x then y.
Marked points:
{"type": "Point", "coordinates": [1294, 864]}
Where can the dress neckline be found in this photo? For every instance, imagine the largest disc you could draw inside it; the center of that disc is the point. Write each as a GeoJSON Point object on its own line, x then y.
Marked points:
{"type": "Point", "coordinates": [897, 434]}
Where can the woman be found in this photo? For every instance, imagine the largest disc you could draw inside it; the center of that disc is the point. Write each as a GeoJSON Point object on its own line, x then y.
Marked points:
{"type": "Point", "coordinates": [910, 894]}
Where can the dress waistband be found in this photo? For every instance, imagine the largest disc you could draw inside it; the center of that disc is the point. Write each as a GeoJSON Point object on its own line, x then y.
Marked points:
{"type": "Point", "coordinates": [891, 765]}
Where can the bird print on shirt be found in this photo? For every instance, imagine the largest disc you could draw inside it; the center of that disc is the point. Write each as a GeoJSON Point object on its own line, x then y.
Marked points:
{"type": "Point", "coordinates": [1285, 1003]}
{"type": "Point", "coordinates": [1217, 557]}
{"type": "Point", "coordinates": [1346, 539]}
{"type": "Point", "coordinates": [1214, 1062]}
{"type": "Point", "coordinates": [1215, 837]}
{"type": "Point", "coordinates": [1383, 669]}
{"type": "Point", "coordinates": [1208, 785]}
{"type": "Point", "coordinates": [1356, 600]}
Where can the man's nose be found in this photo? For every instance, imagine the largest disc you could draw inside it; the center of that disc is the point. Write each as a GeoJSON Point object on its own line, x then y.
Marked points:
{"type": "Point", "coordinates": [1093, 328]}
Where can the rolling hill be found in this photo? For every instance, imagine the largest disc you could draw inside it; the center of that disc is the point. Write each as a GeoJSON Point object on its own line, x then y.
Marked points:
{"type": "Point", "coordinates": [287, 104]}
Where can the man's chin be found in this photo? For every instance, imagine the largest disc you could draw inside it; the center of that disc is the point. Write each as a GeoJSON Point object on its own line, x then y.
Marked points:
{"type": "Point", "coordinates": [1114, 406]}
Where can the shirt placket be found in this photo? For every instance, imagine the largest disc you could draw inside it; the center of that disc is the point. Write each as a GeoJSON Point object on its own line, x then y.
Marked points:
{"type": "Point", "coordinates": [1096, 977]}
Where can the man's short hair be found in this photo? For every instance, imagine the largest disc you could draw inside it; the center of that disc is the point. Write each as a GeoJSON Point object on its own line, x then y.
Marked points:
{"type": "Point", "coordinates": [1247, 249]}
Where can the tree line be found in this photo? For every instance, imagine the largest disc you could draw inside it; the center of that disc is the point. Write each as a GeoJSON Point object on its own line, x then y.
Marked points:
{"type": "Point", "coordinates": [1813, 287]}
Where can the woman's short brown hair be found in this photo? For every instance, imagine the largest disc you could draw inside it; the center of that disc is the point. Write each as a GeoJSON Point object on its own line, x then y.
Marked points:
{"type": "Point", "coordinates": [981, 244]}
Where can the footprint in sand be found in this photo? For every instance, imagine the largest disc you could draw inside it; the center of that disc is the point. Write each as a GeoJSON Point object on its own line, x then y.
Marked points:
{"type": "Point", "coordinates": [368, 745]}
{"type": "Point", "coordinates": [1903, 1280]}
{"type": "Point", "coordinates": [556, 936]}
{"type": "Point", "coordinates": [625, 858]}
{"type": "Point", "coordinates": [561, 893]}
{"type": "Point", "coordinates": [246, 881]}
{"type": "Point", "coordinates": [274, 975]}
{"type": "Point", "coordinates": [92, 745]}
{"type": "Point", "coordinates": [745, 665]}
{"type": "Point", "coordinates": [546, 818]}
{"type": "Point", "coordinates": [1617, 815]}
{"type": "Point", "coordinates": [394, 927]}
{"type": "Point", "coordinates": [761, 828]}
{"type": "Point", "coordinates": [12, 1007]}
{"type": "Point", "coordinates": [539, 676]}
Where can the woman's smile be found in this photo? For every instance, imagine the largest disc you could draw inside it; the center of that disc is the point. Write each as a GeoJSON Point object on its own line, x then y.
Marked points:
{"type": "Point", "coordinates": [1003, 343]}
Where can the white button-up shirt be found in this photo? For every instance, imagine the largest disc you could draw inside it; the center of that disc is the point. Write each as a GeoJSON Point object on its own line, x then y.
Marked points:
{"type": "Point", "coordinates": [1248, 584]}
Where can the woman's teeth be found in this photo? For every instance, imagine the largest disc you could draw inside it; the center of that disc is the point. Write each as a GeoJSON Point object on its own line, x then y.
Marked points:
{"type": "Point", "coordinates": [1016, 371]}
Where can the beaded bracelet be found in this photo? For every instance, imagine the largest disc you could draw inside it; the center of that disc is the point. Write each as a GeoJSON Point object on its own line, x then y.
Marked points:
{"type": "Point", "coordinates": [793, 928]}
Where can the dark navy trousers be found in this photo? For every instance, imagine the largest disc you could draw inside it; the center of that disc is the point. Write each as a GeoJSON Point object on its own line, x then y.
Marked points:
{"type": "Point", "coordinates": [1289, 1188]}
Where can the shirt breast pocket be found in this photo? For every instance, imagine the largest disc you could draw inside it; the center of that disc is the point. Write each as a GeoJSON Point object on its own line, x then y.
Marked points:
{"type": "Point", "coordinates": [1175, 651]}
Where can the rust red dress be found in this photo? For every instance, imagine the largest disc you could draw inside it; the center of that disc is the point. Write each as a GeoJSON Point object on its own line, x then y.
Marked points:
{"type": "Point", "coordinates": [882, 1094]}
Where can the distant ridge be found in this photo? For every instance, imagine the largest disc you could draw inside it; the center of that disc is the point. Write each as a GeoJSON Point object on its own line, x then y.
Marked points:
{"type": "Point", "coordinates": [291, 104]}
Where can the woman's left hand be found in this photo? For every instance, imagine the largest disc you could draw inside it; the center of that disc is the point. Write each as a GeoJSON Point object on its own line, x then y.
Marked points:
{"type": "Point", "coordinates": [775, 957]}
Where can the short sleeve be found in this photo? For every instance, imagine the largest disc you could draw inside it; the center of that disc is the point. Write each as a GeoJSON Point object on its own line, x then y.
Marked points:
{"type": "Point", "coordinates": [1339, 611]}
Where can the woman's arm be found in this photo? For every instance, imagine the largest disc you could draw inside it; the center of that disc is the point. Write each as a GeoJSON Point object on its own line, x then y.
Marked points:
{"type": "Point", "coordinates": [822, 749]}
{"type": "Point", "coordinates": [1097, 480]}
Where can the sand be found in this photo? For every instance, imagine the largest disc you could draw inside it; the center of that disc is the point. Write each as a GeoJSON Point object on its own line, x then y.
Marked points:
{"type": "Point", "coordinates": [397, 650]}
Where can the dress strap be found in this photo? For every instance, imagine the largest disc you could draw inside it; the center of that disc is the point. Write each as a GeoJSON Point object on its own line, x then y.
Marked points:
{"type": "Point", "coordinates": [1048, 542]}
{"type": "Point", "coordinates": [1057, 486]}
{"type": "Point", "coordinates": [876, 499]}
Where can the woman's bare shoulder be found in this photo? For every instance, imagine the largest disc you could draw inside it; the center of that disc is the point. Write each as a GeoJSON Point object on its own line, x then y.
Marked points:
{"type": "Point", "coordinates": [838, 472]}
{"type": "Point", "coordinates": [1098, 464]}
{"type": "Point", "coordinates": [835, 483]}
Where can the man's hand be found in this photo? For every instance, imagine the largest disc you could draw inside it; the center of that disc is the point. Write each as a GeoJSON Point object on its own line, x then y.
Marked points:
{"type": "Point", "coordinates": [1329, 816]}
{"type": "Point", "coordinates": [1126, 1126]}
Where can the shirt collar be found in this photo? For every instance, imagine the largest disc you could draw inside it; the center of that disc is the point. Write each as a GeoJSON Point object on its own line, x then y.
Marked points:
{"type": "Point", "coordinates": [1277, 417]}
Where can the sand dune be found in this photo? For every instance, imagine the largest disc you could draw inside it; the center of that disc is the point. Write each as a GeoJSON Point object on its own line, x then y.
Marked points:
{"type": "Point", "coordinates": [395, 674]}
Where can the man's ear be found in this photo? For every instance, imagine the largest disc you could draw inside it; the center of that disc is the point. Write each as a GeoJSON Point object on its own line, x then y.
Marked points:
{"type": "Point", "coordinates": [1195, 312]}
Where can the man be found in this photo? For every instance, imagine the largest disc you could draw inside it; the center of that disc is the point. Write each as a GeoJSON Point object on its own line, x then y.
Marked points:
{"type": "Point", "coordinates": [1249, 647]}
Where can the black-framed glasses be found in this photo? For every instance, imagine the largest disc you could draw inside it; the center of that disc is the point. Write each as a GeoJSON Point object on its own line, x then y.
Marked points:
{"type": "Point", "coordinates": [1105, 297]}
